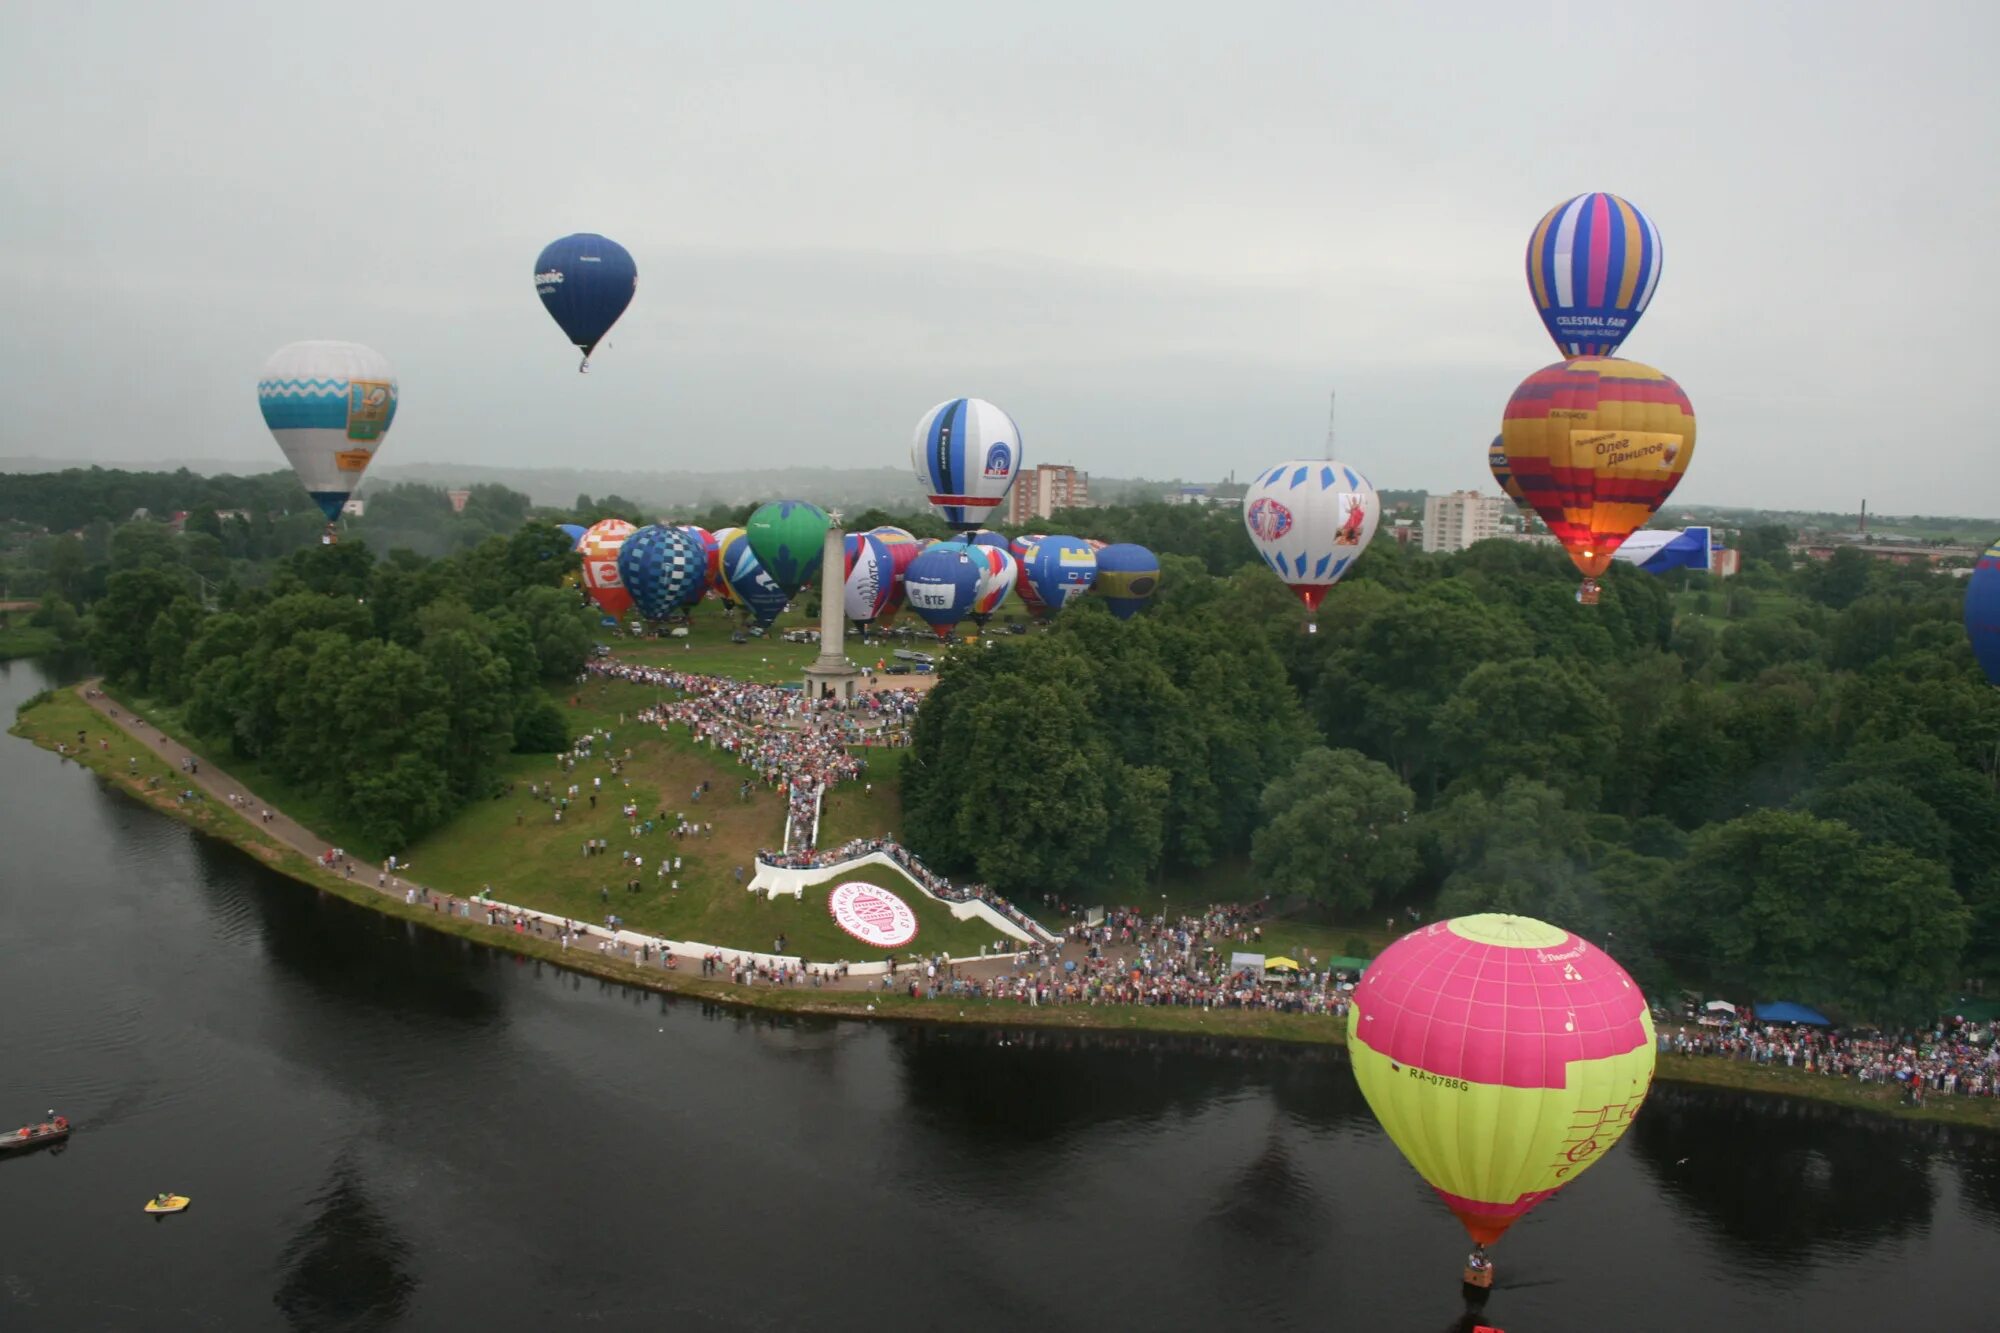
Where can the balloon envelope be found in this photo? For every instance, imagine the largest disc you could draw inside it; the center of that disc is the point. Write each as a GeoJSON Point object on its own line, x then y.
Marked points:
{"type": "Point", "coordinates": [585, 282]}
{"type": "Point", "coordinates": [1503, 473]}
{"type": "Point", "coordinates": [719, 575]}
{"type": "Point", "coordinates": [750, 582]}
{"type": "Point", "coordinates": [599, 549]}
{"type": "Point", "coordinates": [941, 585]}
{"type": "Point", "coordinates": [1593, 262]}
{"type": "Point", "coordinates": [1061, 569]}
{"type": "Point", "coordinates": [997, 572]}
{"type": "Point", "coordinates": [329, 405]}
{"type": "Point", "coordinates": [574, 531]}
{"type": "Point", "coordinates": [1311, 519]}
{"type": "Point", "coordinates": [965, 452]}
{"type": "Point", "coordinates": [868, 588]}
{"type": "Point", "coordinates": [1127, 577]}
{"type": "Point", "coordinates": [787, 536]}
{"type": "Point", "coordinates": [704, 540]}
{"type": "Point", "coordinates": [1597, 445]}
{"type": "Point", "coordinates": [1503, 1056]}
{"type": "Point", "coordinates": [658, 565]}
{"type": "Point", "coordinates": [1982, 612]}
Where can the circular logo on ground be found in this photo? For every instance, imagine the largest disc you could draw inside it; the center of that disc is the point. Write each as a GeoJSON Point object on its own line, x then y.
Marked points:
{"type": "Point", "coordinates": [873, 916]}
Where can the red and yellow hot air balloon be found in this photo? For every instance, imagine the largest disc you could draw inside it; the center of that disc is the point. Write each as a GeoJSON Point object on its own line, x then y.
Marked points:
{"type": "Point", "coordinates": [599, 549]}
{"type": "Point", "coordinates": [1596, 445]}
{"type": "Point", "coordinates": [1503, 1056]}
{"type": "Point", "coordinates": [1503, 475]}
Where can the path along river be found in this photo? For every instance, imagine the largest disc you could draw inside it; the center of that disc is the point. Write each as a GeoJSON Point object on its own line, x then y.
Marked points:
{"type": "Point", "coordinates": [385, 1128]}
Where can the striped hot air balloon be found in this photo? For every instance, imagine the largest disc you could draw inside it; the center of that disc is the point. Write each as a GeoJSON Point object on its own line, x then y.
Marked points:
{"type": "Point", "coordinates": [1593, 262]}
{"type": "Point", "coordinates": [1503, 1056]}
{"type": "Point", "coordinates": [1597, 445]}
{"type": "Point", "coordinates": [966, 452]}
{"type": "Point", "coordinates": [1503, 473]}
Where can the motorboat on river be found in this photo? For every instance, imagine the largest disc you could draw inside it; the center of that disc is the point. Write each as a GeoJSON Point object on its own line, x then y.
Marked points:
{"type": "Point", "coordinates": [53, 1130]}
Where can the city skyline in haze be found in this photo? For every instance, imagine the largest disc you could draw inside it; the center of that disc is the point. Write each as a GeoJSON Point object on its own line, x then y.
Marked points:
{"type": "Point", "coordinates": [1155, 237]}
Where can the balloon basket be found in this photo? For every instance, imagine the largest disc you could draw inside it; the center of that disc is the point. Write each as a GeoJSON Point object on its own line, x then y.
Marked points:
{"type": "Point", "coordinates": [1586, 594]}
{"type": "Point", "coordinates": [1480, 1279]}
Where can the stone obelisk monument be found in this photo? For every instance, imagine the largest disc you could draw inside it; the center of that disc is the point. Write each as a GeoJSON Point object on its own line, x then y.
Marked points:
{"type": "Point", "coordinates": [831, 676]}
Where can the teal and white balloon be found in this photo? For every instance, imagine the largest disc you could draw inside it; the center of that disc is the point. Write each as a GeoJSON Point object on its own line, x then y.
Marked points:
{"type": "Point", "coordinates": [329, 404]}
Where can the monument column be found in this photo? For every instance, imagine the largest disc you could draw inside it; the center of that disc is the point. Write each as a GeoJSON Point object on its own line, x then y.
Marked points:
{"type": "Point", "coordinates": [831, 672]}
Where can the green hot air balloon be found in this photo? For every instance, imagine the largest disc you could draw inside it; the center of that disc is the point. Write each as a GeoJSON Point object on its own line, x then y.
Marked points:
{"type": "Point", "coordinates": [786, 537]}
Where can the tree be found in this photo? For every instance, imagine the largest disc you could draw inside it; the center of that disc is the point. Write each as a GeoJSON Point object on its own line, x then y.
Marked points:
{"type": "Point", "coordinates": [1336, 828]}
{"type": "Point", "coordinates": [1787, 905]}
{"type": "Point", "coordinates": [1520, 849]}
{"type": "Point", "coordinates": [123, 617]}
{"type": "Point", "coordinates": [1530, 715]}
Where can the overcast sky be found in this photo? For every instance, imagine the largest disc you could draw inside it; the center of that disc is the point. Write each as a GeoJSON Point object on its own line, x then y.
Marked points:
{"type": "Point", "coordinates": [1157, 233]}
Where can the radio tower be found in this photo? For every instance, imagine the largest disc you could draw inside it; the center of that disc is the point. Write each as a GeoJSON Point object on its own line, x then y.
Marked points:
{"type": "Point", "coordinates": [1331, 396]}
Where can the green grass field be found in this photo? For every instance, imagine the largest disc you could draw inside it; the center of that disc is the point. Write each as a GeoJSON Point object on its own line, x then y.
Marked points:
{"type": "Point", "coordinates": [27, 641]}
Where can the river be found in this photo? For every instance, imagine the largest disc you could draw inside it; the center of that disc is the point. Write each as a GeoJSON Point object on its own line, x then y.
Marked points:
{"type": "Point", "coordinates": [384, 1128]}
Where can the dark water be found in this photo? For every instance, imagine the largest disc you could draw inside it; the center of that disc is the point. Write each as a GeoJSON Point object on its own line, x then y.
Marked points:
{"type": "Point", "coordinates": [382, 1128]}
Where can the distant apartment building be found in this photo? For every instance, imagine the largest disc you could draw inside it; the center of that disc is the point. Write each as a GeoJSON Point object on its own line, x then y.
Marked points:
{"type": "Point", "coordinates": [1045, 488]}
{"type": "Point", "coordinates": [1455, 521]}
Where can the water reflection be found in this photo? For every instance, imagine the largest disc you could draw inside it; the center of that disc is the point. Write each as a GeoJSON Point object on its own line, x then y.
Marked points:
{"type": "Point", "coordinates": [1781, 1178]}
{"type": "Point", "coordinates": [346, 1267]}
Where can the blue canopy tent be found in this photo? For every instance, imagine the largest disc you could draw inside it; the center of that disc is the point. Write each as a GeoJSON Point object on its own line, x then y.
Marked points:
{"type": "Point", "coordinates": [1784, 1011]}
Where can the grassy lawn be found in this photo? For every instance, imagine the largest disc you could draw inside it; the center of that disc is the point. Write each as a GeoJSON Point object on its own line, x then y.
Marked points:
{"type": "Point", "coordinates": [1762, 604]}
{"type": "Point", "coordinates": [852, 810]}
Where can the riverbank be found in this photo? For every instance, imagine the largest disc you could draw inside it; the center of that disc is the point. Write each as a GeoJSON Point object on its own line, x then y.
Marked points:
{"type": "Point", "coordinates": [136, 765]}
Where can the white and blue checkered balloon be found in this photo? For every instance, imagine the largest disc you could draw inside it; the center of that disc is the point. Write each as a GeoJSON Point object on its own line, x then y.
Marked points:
{"type": "Point", "coordinates": [660, 566]}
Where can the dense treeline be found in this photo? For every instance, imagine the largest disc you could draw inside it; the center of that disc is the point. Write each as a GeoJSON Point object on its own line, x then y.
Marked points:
{"type": "Point", "coordinates": [1782, 785]}
{"type": "Point", "coordinates": [391, 689]}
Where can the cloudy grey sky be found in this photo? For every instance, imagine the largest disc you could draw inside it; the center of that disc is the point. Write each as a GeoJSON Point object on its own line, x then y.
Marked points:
{"type": "Point", "coordinates": [1156, 233]}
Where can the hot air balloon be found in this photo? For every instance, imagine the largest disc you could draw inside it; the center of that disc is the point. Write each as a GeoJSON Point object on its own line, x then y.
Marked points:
{"type": "Point", "coordinates": [1311, 519]}
{"type": "Point", "coordinates": [601, 578]}
{"type": "Point", "coordinates": [941, 585]}
{"type": "Point", "coordinates": [328, 404]}
{"type": "Point", "coordinates": [1060, 570]}
{"type": "Point", "coordinates": [1593, 262]}
{"type": "Point", "coordinates": [997, 572]}
{"type": "Point", "coordinates": [585, 282]}
{"type": "Point", "coordinates": [868, 587]}
{"type": "Point", "coordinates": [966, 452]}
{"type": "Point", "coordinates": [718, 577]}
{"type": "Point", "coordinates": [573, 531]}
{"type": "Point", "coordinates": [1597, 445]}
{"type": "Point", "coordinates": [1127, 577]}
{"type": "Point", "coordinates": [704, 541]}
{"type": "Point", "coordinates": [658, 566]}
{"type": "Point", "coordinates": [750, 583]}
{"type": "Point", "coordinates": [1982, 612]}
{"type": "Point", "coordinates": [1503, 473]}
{"type": "Point", "coordinates": [1503, 1056]}
{"type": "Point", "coordinates": [787, 536]}
{"type": "Point", "coordinates": [985, 537]}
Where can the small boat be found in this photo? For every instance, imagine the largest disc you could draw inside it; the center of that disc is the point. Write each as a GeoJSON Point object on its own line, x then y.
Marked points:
{"type": "Point", "coordinates": [52, 1130]}
{"type": "Point", "coordinates": [167, 1203]}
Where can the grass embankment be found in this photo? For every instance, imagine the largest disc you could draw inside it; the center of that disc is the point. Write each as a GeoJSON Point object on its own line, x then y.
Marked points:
{"type": "Point", "coordinates": [27, 641]}
{"type": "Point", "coordinates": [515, 845]}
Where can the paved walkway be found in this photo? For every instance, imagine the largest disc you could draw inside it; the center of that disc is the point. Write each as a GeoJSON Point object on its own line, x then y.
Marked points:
{"type": "Point", "coordinates": [274, 822]}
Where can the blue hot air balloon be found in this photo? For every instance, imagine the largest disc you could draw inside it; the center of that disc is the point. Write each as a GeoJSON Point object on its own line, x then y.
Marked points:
{"type": "Point", "coordinates": [658, 565]}
{"type": "Point", "coordinates": [1061, 569]}
{"type": "Point", "coordinates": [574, 531]}
{"type": "Point", "coordinates": [941, 584]}
{"type": "Point", "coordinates": [1982, 612]}
{"type": "Point", "coordinates": [1127, 576]}
{"type": "Point", "coordinates": [1593, 262]}
{"type": "Point", "coordinates": [747, 579]}
{"type": "Point", "coordinates": [585, 281]}
{"type": "Point", "coordinates": [987, 537]}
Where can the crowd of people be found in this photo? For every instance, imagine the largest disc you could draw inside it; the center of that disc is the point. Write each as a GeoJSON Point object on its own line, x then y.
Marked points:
{"type": "Point", "coordinates": [793, 743]}
{"type": "Point", "coordinates": [1951, 1058]}
{"type": "Point", "coordinates": [808, 858]}
{"type": "Point", "coordinates": [1130, 958]}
